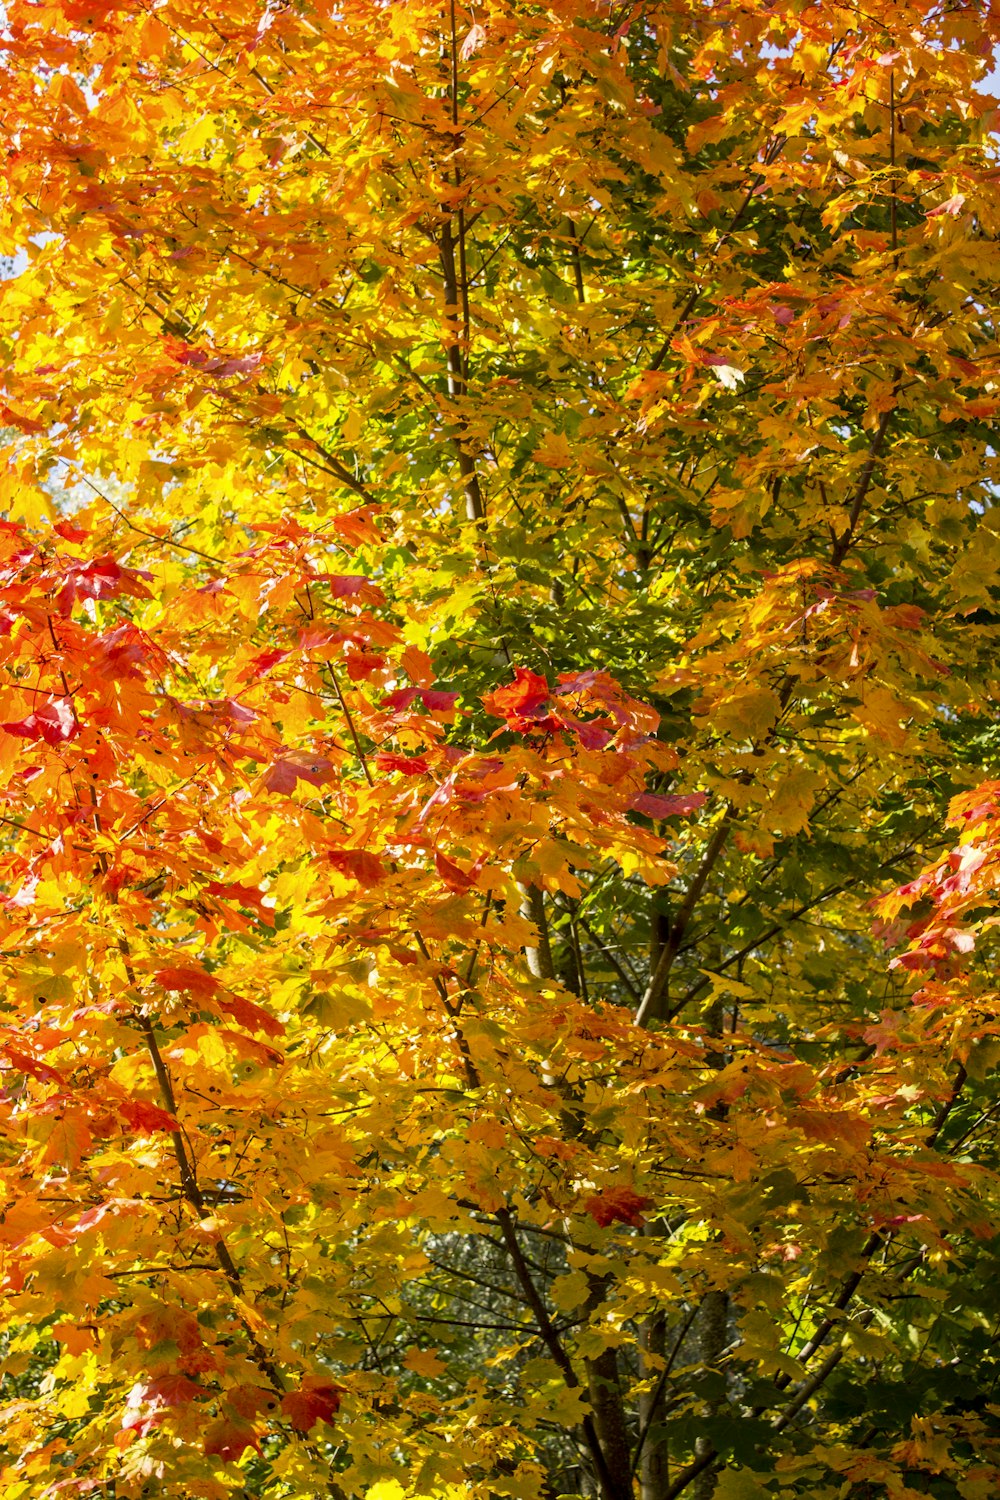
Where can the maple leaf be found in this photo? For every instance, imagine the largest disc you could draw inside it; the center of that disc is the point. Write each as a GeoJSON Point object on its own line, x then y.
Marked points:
{"type": "Point", "coordinates": [410, 765]}
{"type": "Point", "coordinates": [316, 1400]}
{"type": "Point", "coordinates": [252, 1401]}
{"type": "Point", "coordinates": [345, 586]}
{"type": "Point", "coordinates": [591, 734]}
{"type": "Point", "coordinates": [124, 652]}
{"type": "Point", "coordinates": [424, 1362]}
{"type": "Point", "coordinates": [35, 1068]}
{"type": "Point", "coordinates": [452, 874]}
{"type": "Point", "coordinates": [76, 1338]}
{"type": "Point", "coordinates": [472, 42]}
{"type": "Point", "coordinates": [525, 695]}
{"type": "Point", "coordinates": [285, 774]}
{"type": "Point", "coordinates": [258, 665]}
{"type": "Point", "coordinates": [617, 1205]}
{"type": "Point", "coordinates": [243, 895]}
{"type": "Point", "coordinates": [70, 532]}
{"type": "Point", "coordinates": [145, 1118]}
{"type": "Point", "coordinates": [952, 206]}
{"type": "Point", "coordinates": [102, 578]}
{"type": "Point", "coordinates": [655, 806]}
{"type": "Point", "coordinates": [162, 1324]}
{"type": "Point", "coordinates": [359, 864]}
{"type": "Point", "coordinates": [54, 723]}
{"type": "Point", "coordinates": [253, 1017]}
{"type": "Point", "coordinates": [229, 1438]}
{"type": "Point", "coordinates": [221, 365]}
{"type": "Point", "coordinates": [188, 980]}
{"type": "Point", "coordinates": [435, 700]}
{"type": "Point", "coordinates": [522, 703]}
{"type": "Point", "coordinates": [149, 1399]}
{"type": "Point", "coordinates": [257, 1053]}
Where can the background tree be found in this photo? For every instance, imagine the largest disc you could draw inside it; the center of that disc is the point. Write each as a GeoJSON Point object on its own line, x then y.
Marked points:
{"type": "Point", "coordinates": [535, 585]}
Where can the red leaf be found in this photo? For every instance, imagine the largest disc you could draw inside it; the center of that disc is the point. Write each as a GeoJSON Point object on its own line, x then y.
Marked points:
{"type": "Point", "coordinates": [667, 807]}
{"type": "Point", "coordinates": [314, 1401]}
{"type": "Point", "coordinates": [122, 651]}
{"type": "Point", "coordinates": [229, 1438]}
{"type": "Point", "coordinates": [617, 1205]}
{"type": "Point", "coordinates": [410, 765]}
{"type": "Point", "coordinates": [32, 1067]}
{"type": "Point", "coordinates": [188, 981]}
{"type": "Point", "coordinates": [149, 1400]}
{"type": "Point", "coordinates": [145, 1118]}
{"type": "Point", "coordinates": [238, 712]}
{"type": "Point", "coordinates": [221, 365]}
{"type": "Point", "coordinates": [156, 1394]}
{"type": "Point", "coordinates": [436, 701]}
{"type": "Point", "coordinates": [362, 664]}
{"type": "Point", "coordinates": [401, 698]}
{"type": "Point", "coordinates": [524, 696]}
{"type": "Point", "coordinates": [359, 864]}
{"type": "Point", "coordinates": [592, 735]}
{"type": "Point", "coordinates": [169, 1325]}
{"type": "Point", "coordinates": [243, 895]}
{"type": "Point", "coordinates": [342, 587]}
{"type": "Point", "coordinates": [248, 1050]}
{"type": "Point", "coordinates": [69, 532]}
{"type": "Point", "coordinates": [253, 1017]}
{"type": "Point", "coordinates": [252, 1400]}
{"type": "Point", "coordinates": [24, 424]}
{"type": "Point", "coordinates": [172, 1390]}
{"type": "Point", "coordinates": [101, 578]}
{"type": "Point", "coordinates": [258, 665]}
{"type": "Point", "coordinates": [452, 875]}
{"type": "Point", "coordinates": [54, 723]}
{"type": "Point", "coordinates": [284, 775]}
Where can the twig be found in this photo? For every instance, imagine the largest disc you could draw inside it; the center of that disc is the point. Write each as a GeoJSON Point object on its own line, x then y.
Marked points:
{"type": "Point", "coordinates": [350, 724]}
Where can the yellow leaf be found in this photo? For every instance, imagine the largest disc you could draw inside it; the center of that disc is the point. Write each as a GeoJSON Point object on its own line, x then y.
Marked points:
{"type": "Point", "coordinates": [424, 1362]}
{"type": "Point", "coordinates": [881, 714]}
{"type": "Point", "coordinates": [571, 1291]}
{"type": "Point", "coordinates": [197, 135]}
{"type": "Point", "coordinates": [747, 715]}
{"type": "Point", "coordinates": [789, 807]}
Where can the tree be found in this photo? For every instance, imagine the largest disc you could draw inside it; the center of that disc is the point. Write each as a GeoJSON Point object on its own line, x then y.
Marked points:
{"type": "Point", "coordinates": [500, 573]}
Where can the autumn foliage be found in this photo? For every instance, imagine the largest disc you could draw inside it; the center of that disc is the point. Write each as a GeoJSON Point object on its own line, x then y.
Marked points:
{"type": "Point", "coordinates": [499, 869]}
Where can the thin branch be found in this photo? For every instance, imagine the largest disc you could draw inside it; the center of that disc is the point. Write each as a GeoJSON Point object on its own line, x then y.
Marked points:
{"type": "Point", "coordinates": [659, 981]}
{"type": "Point", "coordinates": [606, 952]}
{"type": "Point", "coordinates": [843, 544]}
{"type": "Point", "coordinates": [350, 724]}
{"type": "Point", "coordinates": [165, 541]}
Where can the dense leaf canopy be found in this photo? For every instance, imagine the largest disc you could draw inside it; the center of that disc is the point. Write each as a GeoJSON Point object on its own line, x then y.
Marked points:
{"type": "Point", "coordinates": [500, 592]}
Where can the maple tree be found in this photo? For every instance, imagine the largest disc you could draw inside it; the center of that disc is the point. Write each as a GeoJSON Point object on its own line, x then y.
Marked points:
{"type": "Point", "coordinates": [499, 603]}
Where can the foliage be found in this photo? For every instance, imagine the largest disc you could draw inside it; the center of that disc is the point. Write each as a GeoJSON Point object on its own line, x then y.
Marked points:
{"type": "Point", "coordinates": [499, 574]}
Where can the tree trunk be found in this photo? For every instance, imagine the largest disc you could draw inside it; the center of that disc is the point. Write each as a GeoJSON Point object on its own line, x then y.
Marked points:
{"type": "Point", "coordinates": [539, 957]}
{"type": "Point", "coordinates": [654, 1460]}
{"type": "Point", "coordinates": [713, 1316]}
{"type": "Point", "coordinates": [713, 1320]}
{"type": "Point", "coordinates": [603, 1386]}
{"type": "Point", "coordinates": [609, 1419]}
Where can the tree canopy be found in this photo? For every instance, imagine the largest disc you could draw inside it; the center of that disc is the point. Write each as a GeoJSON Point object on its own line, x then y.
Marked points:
{"type": "Point", "coordinates": [498, 859]}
